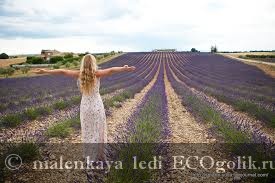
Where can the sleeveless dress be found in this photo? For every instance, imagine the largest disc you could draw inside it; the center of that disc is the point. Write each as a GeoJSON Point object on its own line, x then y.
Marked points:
{"type": "Point", "coordinates": [93, 122]}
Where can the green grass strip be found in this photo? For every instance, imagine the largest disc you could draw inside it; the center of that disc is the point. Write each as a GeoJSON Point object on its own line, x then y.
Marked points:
{"type": "Point", "coordinates": [64, 128]}
{"type": "Point", "coordinates": [210, 115]}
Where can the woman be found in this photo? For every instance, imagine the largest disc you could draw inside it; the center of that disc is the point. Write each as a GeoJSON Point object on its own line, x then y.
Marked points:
{"type": "Point", "coordinates": [92, 113]}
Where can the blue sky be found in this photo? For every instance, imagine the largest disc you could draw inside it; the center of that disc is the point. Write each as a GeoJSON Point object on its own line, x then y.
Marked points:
{"type": "Point", "coordinates": [27, 26]}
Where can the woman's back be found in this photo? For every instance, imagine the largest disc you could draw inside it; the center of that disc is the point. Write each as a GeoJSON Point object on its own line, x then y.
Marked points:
{"type": "Point", "coordinates": [95, 89]}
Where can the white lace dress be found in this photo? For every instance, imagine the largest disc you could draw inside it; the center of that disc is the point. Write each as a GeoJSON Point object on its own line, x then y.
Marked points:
{"type": "Point", "coordinates": [93, 121]}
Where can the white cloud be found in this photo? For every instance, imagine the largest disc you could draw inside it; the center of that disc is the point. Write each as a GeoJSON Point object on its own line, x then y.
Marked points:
{"type": "Point", "coordinates": [136, 25]}
{"type": "Point", "coordinates": [76, 44]}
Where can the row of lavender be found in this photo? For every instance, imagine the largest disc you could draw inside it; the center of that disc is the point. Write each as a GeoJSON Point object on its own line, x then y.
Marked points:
{"type": "Point", "coordinates": [242, 86]}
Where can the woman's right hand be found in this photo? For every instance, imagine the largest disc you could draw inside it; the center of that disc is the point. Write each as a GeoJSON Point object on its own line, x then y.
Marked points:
{"type": "Point", "coordinates": [132, 68]}
{"type": "Point", "coordinates": [39, 71]}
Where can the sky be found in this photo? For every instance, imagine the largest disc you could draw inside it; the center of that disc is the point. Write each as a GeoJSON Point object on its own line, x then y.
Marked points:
{"type": "Point", "coordinates": [27, 26]}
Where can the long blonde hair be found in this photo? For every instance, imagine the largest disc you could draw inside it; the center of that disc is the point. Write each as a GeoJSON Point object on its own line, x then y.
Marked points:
{"type": "Point", "coordinates": [87, 75]}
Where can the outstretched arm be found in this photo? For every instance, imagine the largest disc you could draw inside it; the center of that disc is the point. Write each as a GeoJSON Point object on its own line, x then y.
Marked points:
{"type": "Point", "coordinates": [113, 70]}
{"type": "Point", "coordinates": [71, 73]}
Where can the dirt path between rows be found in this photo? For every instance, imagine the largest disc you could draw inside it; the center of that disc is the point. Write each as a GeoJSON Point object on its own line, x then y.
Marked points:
{"type": "Point", "coordinates": [183, 125]}
{"type": "Point", "coordinates": [188, 138]}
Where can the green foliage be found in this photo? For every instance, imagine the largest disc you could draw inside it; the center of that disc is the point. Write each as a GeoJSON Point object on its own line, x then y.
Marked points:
{"type": "Point", "coordinates": [64, 128]}
{"type": "Point", "coordinates": [99, 57]}
{"type": "Point", "coordinates": [2, 71]}
{"type": "Point", "coordinates": [74, 122]}
{"type": "Point", "coordinates": [31, 113]}
{"type": "Point", "coordinates": [105, 55]}
{"type": "Point", "coordinates": [260, 56]}
{"type": "Point", "coordinates": [3, 106]}
{"type": "Point", "coordinates": [75, 63]}
{"type": "Point", "coordinates": [68, 55]}
{"type": "Point", "coordinates": [61, 104]}
{"type": "Point", "coordinates": [25, 70]}
{"type": "Point", "coordinates": [214, 49]}
{"type": "Point", "coordinates": [7, 71]}
{"type": "Point", "coordinates": [69, 60]}
{"type": "Point", "coordinates": [56, 66]}
{"type": "Point", "coordinates": [4, 56]}
{"type": "Point", "coordinates": [81, 54]}
{"type": "Point", "coordinates": [212, 116]}
{"type": "Point", "coordinates": [67, 65]}
{"type": "Point", "coordinates": [27, 151]}
{"type": "Point", "coordinates": [10, 71]}
{"type": "Point", "coordinates": [75, 100]}
{"type": "Point", "coordinates": [116, 100]}
{"type": "Point", "coordinates": [249, 107]}
{"type": "Point", "coordinates": [256, 111]}
{"type": "Point", "coordinates": [30, 58]}
{"type": "Point", "coordinates": [56, 59]}
{"type": "Point", "coordinates": [46, 110]}
{"type": "Point", "coordinates": [59, 130]}
{"type": "Point", "coordinates": [194, 50]}
{"type": "Point", "coordinates": [11, 120]}
{"type": "Point", "coordinates": [35, 60]}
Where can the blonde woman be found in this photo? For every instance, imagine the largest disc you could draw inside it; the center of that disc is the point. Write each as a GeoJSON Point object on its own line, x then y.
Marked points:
{"type": "Point", "coordinates": [92, 113]}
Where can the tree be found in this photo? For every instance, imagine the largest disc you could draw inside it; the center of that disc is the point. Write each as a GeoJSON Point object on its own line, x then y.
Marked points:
{"type": "Point", "coordinates": [214, 49]}
{"type": "Point", "coordinates": [4, 56]}
{"type": "Point", "coordinates": [194, 50]}
{"type": "Point", "coordinates": [56, 59]}
{"type": "Point", "coordinates": [105, 54]}
{"type": "Point", "coordinates": [69, 55]}
{"type": "Point", "coordinates": [34, 60]}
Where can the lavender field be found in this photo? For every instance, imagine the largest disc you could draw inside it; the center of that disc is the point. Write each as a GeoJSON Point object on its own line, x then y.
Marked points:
{"type": "Point", "coordinates": [172, 97]}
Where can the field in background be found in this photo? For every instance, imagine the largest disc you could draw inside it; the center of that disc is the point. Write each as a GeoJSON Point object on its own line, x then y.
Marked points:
{"type": "Point", "coordinates": [265, 57]}
{"type": "Point", "coordinates": [251, 53]}
{"type": "Point", "coordinates": [5, 63]}
{"type": "Point", "coordinates": [8, 62]}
